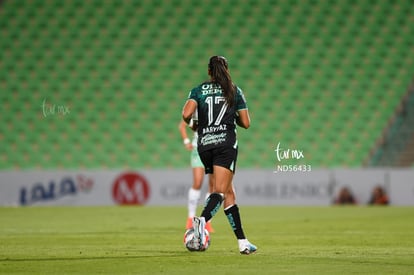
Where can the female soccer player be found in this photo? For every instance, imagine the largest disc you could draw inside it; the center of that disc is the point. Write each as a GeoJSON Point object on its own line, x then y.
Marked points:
{"type": "Point", "coordinates": [198, 176]}
{"type": "Point", "coordinates": [220, 105]}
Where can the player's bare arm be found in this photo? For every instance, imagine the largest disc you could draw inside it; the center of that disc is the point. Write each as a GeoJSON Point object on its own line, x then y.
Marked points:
{"type": "Point", "coordinates": [243, 118]}
{"type": "Point", "coordinates": [188, 110]}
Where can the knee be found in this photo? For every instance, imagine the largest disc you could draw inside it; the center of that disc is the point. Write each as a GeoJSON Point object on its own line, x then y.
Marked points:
{"type": "Point", "coordinates": [230, 197]}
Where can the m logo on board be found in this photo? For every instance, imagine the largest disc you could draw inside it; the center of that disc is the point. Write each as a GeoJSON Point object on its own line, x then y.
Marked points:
{"type": "Point", "coordinates": [130, 189]}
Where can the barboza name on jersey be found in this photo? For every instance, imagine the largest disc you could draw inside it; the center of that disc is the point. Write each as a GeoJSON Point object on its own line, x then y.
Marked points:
{"type": "Point", "coordinates": [213, 129]}
{"type": "Point", "coordinates": [213, 139]}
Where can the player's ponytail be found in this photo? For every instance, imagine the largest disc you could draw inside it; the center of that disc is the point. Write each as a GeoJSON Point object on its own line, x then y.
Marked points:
{"type": "Point", "coordinates": [219, 72]}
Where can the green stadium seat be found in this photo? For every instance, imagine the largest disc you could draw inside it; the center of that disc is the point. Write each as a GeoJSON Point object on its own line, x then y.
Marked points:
{"type": "Point", "coordinates": [322, 76]}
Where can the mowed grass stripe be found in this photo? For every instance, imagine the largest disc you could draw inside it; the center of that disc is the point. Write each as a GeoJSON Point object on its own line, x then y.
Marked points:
{"type": "Point", "coordinates": [148, 240]}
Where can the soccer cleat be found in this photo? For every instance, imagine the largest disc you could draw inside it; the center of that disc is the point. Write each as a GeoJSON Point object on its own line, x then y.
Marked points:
{"type": "Point", "coordinates": [246, 248]}
{"type": "Point", "coordinates": [199, 224]}
{"type": "Point", "coordinates": [189, 223]}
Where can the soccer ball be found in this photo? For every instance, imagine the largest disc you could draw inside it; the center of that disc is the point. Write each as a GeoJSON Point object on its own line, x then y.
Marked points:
{"type": "Point", "coordinates": [192, 245]}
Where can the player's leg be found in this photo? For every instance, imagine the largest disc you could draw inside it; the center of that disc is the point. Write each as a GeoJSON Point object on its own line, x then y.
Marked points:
{"type": "Point", "coordinates": [194, 194]}
{"type": "Point", "coordinates": [195, 190]}
{"type": "Point", "coordinates": [210, 186]}
{"type": "Point", "coordinates": [221, 162]}
{"type": "Point", "coordinates": [222, 179]}
{"type": "Point", "coordinates": [233, 216]}
{"type": "Point", "coordinates": [231, 209]}
{"type": "Point", "coordinates": [199, 223]}
{"type": "Point", "coordinates": [209, 226]}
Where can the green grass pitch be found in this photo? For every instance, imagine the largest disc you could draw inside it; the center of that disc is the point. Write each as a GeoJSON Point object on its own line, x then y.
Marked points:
{"type": "Point", "coordinates": [148, 240]}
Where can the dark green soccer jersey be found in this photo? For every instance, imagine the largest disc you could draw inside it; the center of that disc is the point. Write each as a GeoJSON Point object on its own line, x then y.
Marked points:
{"type": "Point", "coordinates": [216, 120]}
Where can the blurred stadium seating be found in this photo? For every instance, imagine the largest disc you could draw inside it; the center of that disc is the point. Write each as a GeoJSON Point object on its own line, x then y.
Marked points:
{"type": "Point", "coordinates": [395, 147]}
{"type": "Point", "coordinates": [320, 76]}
